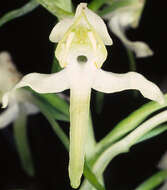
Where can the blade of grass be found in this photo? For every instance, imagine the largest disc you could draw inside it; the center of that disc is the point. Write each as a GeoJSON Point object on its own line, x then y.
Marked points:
{"type": "Point", "coordinates": [21, 140]}
{"type": "Point", "coordinates": [49, 116]}
{"type": "Point", "coordinates": [132, 62]}
{"type": "Point", "coordinates": [114, 5]}
{"type": "Point", "coordinates": [53, 7]}
{"type": "Point", "coordinates": [128, 124]}
{"type": "Point", "coordinates": [30, 6]}
{"type": "Point", "coordinates": [155, 132]}
{"type": "Point", "coordinates": [96, 4]}
{"type": "Point", "coordinates": [127, 142]}
{"type": "Point", "coordinates": [154, 181]}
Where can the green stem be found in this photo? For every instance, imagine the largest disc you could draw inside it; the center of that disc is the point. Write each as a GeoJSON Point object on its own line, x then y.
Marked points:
{"type": "Point", "coordinates": [132, 66]}
{"type": "Point", "coordinates": [96, 4]}
{"type": "Point", "coordinates": [30, 6]}
{"type": "Point", "coordinates": [99, 102]}
{"type": "Point", "coordinates": [60, 133]}
{"type": "Point", "coordinates": [132, 62]}
{"type": "Point", "coordinates": [154, 181]}
{"type": "Point", "coordinates": [20, 135]}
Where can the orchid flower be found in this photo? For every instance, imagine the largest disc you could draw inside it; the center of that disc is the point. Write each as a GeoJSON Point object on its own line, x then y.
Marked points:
{"type": "Point", "coordinates": [123, 17]}
{"type": "Point", "coordinates": [19, 100]}
{"type": "Point", "coordinates": [81, 52]}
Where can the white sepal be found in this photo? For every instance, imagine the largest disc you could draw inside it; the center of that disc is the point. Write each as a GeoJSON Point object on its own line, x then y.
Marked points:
{"type": "Point", "coordinates": [99, 26]}
{"type": "Point", "coordinates": [60, 29]}
{"type": "Point", "coordinates": [141, 49]}
{"type": "Point", "coordinates": [41, 83]}
{"type": "Point", "coordinates": [45, 83]}
{"type": "Point", "coordinates": [108, 82]}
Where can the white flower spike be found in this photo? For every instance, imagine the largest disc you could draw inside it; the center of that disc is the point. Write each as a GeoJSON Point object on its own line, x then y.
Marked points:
{"type": "Point", "coordinates": [81, 51]}
{"type": "Point", "coordinates": [125, 16]}
{"type": "Point", "coordinates": [9, 76]}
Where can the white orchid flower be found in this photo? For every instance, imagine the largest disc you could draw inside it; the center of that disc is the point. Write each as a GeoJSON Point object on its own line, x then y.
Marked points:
{"type": "Point", "coordinates": [19, 100]}
{"type": "Point", "coordinates": [81, 52]}
{"type": "Point", "coordinates": [128, 15]}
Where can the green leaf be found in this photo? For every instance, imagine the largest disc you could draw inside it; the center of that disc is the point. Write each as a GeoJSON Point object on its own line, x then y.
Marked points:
{"type": "Point", "coordinates": [129, 123]}
{"type": "Point", "coordinates": [114, 5]}
{"type": "Point", "coordinates": [96, 4]}
{"type": "Point", "coordinates": [154, 181]}
{"type": "Point", "coordinates": [55, 112]}
{"type": "Point", "coordinates": [57, 107]}
{"type": "Point", "coordinates": [92, 178]}
{"type": "Point", "coordinates": [57, 102]}
{"type": "Point", "coordinates": [155, 132]}
{"type": "Point", "coordinates": [30, 6]}
{"type": "Point", "coordinates": [59, 8]}
{"type": "Point", "coordinates": [21, 140]}
{"type": "Point", "coordinates": [127, 142]}
{"type": "Point", "coordinates": [63, 4]}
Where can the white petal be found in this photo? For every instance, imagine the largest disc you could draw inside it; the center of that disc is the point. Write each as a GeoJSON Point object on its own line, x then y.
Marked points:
{"type": "Point", "coordinates": [41, 83]}
{"type": "Point", "coordinates": [141, 49]}
{"type": "Point", "coordinates": [110, 82]}
{"type": "Point", "coordinates": [79, 9]}
{"type": "Point", "coordinates": [60, 29]}
{"type": "Point", "coordinates": [9, 115]}
{"type": "Point", "coordinates": [99, 26]}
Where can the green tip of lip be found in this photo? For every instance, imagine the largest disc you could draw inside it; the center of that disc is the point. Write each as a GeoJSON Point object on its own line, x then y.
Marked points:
{"type": "Point", "coordinates": [75, 183]}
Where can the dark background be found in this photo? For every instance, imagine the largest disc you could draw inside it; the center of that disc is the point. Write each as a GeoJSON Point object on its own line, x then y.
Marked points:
{"type": "Point", "coordinates": [26, 38]}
